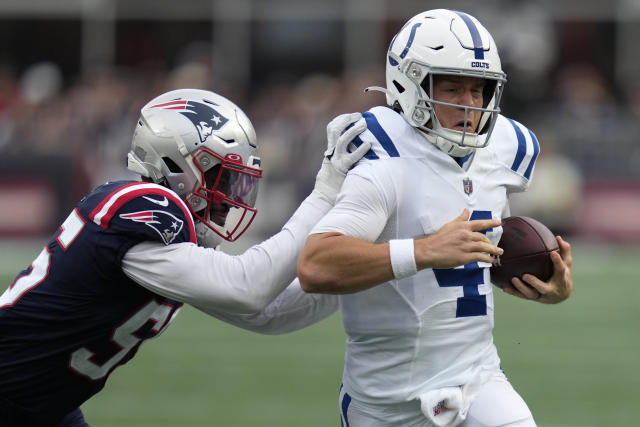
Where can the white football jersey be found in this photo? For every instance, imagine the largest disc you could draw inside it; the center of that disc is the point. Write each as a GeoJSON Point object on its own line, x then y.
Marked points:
{"type": "Point", "coordinates": [434, 329]}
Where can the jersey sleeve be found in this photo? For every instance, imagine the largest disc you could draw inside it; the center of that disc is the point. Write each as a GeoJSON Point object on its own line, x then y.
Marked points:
{"type": "Point", "coordinates": [212, 280]}
{"type": "Point", "coordinates": [517, 149]}
{"type": "Point", "coordinates": [145, 212]}
{"type": "Point", "coordinates": [363, 206]}
{"type": "Point", "coordinates": [292, 310]}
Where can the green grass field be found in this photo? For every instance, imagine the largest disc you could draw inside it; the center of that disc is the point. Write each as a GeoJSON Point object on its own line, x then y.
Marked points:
{"type": "Point", "coordinates": [576, 364]}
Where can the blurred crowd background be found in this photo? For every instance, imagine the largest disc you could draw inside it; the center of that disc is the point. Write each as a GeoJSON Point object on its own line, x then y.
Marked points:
{"type": "Point", "coordinates": [74, 74]}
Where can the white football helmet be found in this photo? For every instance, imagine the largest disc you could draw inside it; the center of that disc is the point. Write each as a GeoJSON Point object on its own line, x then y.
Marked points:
{"type": "Point", "coordinates": [443, 42]}
{"type": "Point", "coordinates": [203, 147]}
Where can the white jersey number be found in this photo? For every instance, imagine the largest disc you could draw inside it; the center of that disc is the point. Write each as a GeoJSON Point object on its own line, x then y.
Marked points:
{"type": "Point", "coordinates": [124, 337]}
{"type": "Point", "coordinates": [70, 229]}
{"type": "Point", "coordinates": [39, 271]}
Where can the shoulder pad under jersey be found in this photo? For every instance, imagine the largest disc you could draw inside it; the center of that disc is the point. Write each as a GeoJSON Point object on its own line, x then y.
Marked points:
{"type": "Point", "coordinates": [515, 145]}
{"type": "Point", "coordinates": [389, 133]}
{"type": "Point", "coordinates": [145, 210]}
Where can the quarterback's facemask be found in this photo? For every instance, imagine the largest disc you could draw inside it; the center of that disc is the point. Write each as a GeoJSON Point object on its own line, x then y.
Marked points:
{"type": "Point", "coordinates": [444, 42]}
{"type": "Point", "coordinates": [203, 147]}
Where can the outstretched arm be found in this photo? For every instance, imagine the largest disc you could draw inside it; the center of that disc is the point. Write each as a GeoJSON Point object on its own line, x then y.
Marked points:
{"type": "Point", "coordinates": [247, 283]}
{"type": "Point", "coordinates": [292, 310]}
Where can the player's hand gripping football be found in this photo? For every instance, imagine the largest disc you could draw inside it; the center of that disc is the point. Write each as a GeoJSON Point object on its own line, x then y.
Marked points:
{"type": "Point", "coordinates": [337, 160]}
{"type": "Point", "coordinates": [557, 289]}
{"type": "Point", "coordinates": [457, 243]}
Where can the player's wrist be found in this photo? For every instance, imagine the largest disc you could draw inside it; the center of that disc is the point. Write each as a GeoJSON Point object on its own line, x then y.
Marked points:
{"type": "Point", "coordinates": [403, 261]}
{"type": "Point", "coordinates": [328, 182]}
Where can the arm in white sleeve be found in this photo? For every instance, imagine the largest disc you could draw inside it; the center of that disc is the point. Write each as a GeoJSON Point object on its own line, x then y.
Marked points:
{"type": "Point", "coordinates": [292, 310]}
{"type": "Point", "coordinates": [212, 280]}
{"type": "Point", "coordinates": [361, 211]}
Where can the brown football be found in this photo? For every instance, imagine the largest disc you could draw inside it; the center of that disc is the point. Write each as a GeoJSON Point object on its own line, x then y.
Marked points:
{"type": "Point", "coordinates": [527, 245]}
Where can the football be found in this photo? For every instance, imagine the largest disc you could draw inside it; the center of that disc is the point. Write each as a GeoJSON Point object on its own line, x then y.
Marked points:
{"type": "Point", "coordinates": [527, 245]}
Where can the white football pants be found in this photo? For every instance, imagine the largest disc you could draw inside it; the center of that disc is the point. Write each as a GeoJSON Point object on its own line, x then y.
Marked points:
{"type": "Point", "coordinates": [497, 404]}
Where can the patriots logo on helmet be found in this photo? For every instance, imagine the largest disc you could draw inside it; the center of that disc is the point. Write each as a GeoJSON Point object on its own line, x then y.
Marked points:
{"type": "Point", "coordinates": [204, 117]}
{"type": "Point", "coordinates": [164, 223]}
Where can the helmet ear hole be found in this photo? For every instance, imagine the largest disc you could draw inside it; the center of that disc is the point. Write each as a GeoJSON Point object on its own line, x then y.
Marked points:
{"type": "Point", "coordinates": [171, 165]}
{"type": "Point", "coordinates": [398, 86]}
{"type": "Point", "coordinates": [426, 84]}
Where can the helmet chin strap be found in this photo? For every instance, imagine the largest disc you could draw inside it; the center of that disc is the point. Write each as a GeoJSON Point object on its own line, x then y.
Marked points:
{"type": "Point", "coordinates": [442, 140]}
{"type": "Point", "coordinates": [451, 148]}
{"type": "Point", "coordinates": [207, 237]}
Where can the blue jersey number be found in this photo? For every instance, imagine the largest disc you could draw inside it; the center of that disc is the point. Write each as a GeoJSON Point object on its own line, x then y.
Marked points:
{"type": "Point", "coordinates": [471, 303]}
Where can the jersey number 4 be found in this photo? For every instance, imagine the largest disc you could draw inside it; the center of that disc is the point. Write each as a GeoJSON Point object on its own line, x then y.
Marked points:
{"type": "Point", "coordinates": [471, 303]}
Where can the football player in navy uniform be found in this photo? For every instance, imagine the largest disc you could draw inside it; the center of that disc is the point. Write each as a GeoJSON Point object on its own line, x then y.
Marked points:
{"type": "Point", "coordinates": [118, 269]}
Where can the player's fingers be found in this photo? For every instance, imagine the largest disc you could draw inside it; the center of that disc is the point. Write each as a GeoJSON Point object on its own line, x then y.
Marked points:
{"type": "Point", "coordinates": [484, 224]}
{"type": "Point", "coordinates": [478, 237]}
{"type": "Point", "coordinates": [350, 134]}
{"type": "Point", "coordinates": [359, 152]}
{"type": "Point", "coordinates": [565, 250]}
{"type": "Point", "coordinates": [559, 264]}
{"type": "Point", "coordinates": [464, 216]}
{"type": "Point", "coordinates": [552, 292]}
{"type": "Point", "coordinates": [530, 292]}
{"type": "Point", "coordinates": [353, 131]}
{"type": "Point", "coordinates": [341, 121]}
{"type": "Point", "coordinates": [486, 247]}
{"type": "Point", "coordinates": [533, 282]}
{"type": "Point", "coordinates": [337, 125]}
{"type": "Point", "coordinates": [482, 257]}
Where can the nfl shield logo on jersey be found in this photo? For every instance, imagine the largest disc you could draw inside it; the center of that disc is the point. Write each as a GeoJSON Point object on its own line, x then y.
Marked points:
{"type": "Point", "coordinates": [468, 186]}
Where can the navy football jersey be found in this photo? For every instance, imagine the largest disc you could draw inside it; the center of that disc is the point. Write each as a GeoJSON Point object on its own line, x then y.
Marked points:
{"type": "Point", "coordinates": [73, 316]}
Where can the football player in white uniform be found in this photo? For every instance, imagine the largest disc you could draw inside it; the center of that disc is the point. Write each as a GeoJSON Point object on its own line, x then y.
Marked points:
{"type": "Point", "coordinates": [418, 310]}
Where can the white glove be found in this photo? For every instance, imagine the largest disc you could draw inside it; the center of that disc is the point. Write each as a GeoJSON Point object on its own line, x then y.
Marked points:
{"type": "Point", "coordinates": [337, 160]}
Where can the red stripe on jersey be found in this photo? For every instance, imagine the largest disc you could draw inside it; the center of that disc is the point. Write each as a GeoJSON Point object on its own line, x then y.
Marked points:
{"type": "Point", "coordinates": [116, 201]}
{"type": "Point", "coordinates": [104, 201]}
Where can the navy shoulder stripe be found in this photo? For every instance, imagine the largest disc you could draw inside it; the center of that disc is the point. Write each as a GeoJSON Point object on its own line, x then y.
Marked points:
{"type": "Point", "coordinates": [536, 151]}
{"type": "Point", "coordinates": [522, 150]}
{"type": "Point", "coordinates": [382, 137]}
{"type": "Point", "coordinates": [370, 154]}
{"type": "Point", "coordinates": [522, 146]}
